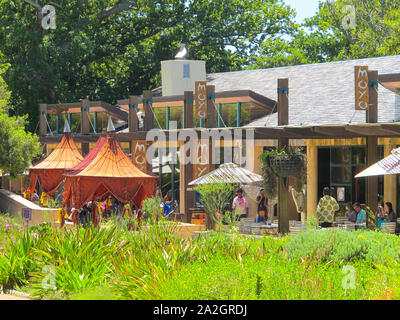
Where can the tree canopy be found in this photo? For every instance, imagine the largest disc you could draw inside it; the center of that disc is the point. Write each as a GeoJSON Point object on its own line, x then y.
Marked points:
{"type": "Point", "coordinates": [109, 49]}
{"type": "Point", "coordinates": [341, 30]}
{"type": "Point", "coordinates": [17, 147]}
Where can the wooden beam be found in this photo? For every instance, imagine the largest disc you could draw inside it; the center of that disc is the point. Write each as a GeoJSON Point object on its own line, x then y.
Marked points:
{"type": "Point", "coordinates": [42, 119]}
{"type": "Point", "coordinates": [148, 113]}
{"type": "Point", "coordinates": [372, 112]}
{"type": "Point", "coordinates": [211, 112]}
{"type": "Point", "coordinates": [333, 132]}
{"type": "Point", "coordinates": [283, 187]}
{"type": "Point", "coordinates": [188, 109]}
{"type": "Point", "coordinates": [133, 121]}
{"type": "Point", "coordinates": [372, 141]}
{"type": "Point", "coordinates": [393, 128]}
{"type": "Point", "coordinates": [301, 132]}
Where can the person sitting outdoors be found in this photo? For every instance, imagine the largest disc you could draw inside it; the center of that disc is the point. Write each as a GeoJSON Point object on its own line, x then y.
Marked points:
{"type": "Point", "coordinates": [167, 203]}
{"type": "Point", "coordinates": [240, 206]}
{"type": "Point", "coordinates": [327, 206]}
{"type": "Point", "coordinates": [350, 213]}
{"type": "Point", "coordinates": [35, 198]}
{"type": "Point", "coordinates": [361, 214]}
{"type": "Point", "coordinates": [390, 215]}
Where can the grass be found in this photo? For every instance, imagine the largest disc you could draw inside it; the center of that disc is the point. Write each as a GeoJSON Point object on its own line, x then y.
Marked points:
{"type": "Point", "coordinates": [115, 263]}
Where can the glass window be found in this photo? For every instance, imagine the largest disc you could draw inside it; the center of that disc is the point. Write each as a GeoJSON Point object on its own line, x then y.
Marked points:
{"type": "Point", "coordinates": [176, 114]}
{"type": "Point", "coordinates": [186, 70]}
{"type": "Point", "coordinates": [341, 156]}
{"type": "Point", "coordinates": [358, 156]}
{"type": "Point", "coordinates": [341, 175]}
{"type": "Point", "coordinates": [229, 114]}
{"type": "Point", "coordinates": [160, 118]}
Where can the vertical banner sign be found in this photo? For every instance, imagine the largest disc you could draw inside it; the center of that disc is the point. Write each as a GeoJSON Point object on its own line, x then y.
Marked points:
{"type": "Point", "coordinates": [361, 84]}
{"type": "Point", "coordinates": [200, 99]}
{"type": "Point", "coordinates": [201, 165]}
{"type": "Point", "coordinates": [139, 149]}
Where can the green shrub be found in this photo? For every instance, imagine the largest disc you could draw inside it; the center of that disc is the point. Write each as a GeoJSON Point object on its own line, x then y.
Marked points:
{"type": "Point", "coordinates": [151, 208]}
{"type": "Point", "coordinates": [343, 246]}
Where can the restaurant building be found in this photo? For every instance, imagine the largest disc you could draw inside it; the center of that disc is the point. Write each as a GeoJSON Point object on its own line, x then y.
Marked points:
{"type": "Point", "coordinates": [306, 105]}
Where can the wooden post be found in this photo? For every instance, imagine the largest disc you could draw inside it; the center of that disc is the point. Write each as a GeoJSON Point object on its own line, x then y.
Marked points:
{"type": "Point", "coordinates": [85, 124]}
{"type": "Point", "coordinates": [283, 188]}
{"type": "Point", "coordinates": [372, 141]}
{"type": "Point", "coordinates": [148, 113]}
{"type": "Point", "coordinates": [42, 119]}
{"type": "Point", "coordinates": [389, 188]}
{"type": "Point", "coordinates": [312, 179]}
{"type": "Point", "coordinates": [186, 171]}
{"type": "Point", "coordinates": [133, 121]}
{"type": "Point", "coordinates": [43, 123]}
{"type": "Point", "coordinates": [211, 112]}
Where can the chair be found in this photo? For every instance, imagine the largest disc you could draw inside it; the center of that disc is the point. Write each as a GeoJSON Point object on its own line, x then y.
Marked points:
{"type": "Point", "coordinates": [255, 228]}
{"type": "Point", "coordinates": [245, 225]}
{"type": "Point", "coordinates": [294, 222]}
{"type": "Point", "coordinates": [349, 226]}
{"type": "Point", "coordinates": [295, 230]}
{"type": "Point", "coordinates": [389, 227]}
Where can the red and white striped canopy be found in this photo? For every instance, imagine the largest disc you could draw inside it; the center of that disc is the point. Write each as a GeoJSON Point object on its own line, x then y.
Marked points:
{"type": "Point", "coordinates": [388, 165]}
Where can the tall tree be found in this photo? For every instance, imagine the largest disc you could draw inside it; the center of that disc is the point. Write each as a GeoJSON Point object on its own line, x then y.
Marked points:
{"type": "Point", "coordinates": [108, 49]}
{"type": "Point", "coordinates": [341, 30]}
{"type": "Point", "coordinates": [17, 147]}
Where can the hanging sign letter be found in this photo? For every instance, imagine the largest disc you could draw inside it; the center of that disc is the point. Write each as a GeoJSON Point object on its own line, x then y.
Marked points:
{"type": "Point", "coordinates": [361, 84]}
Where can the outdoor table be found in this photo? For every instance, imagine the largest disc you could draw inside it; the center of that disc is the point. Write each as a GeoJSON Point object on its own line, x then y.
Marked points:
{"type": "Point", "coordinates": [269, 229]}
{"type": "Point", "coordinates": [361, 226]}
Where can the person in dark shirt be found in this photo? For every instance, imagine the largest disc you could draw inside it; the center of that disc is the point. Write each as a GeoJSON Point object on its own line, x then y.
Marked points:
{"type": "Point", "coordinates": [262, 207]}
{"type": "Point", "coordinates": [350, 213]}
{"type": "Point", "coordinates": [390, 214]}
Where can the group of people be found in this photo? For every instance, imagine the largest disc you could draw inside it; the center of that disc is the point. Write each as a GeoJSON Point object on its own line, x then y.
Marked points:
{"type": "Point", "coordinates": [240, 206]}
{"type": "Point", "coordinates": [104, 208]}
{"type": "Point", "coordinates": [355, 213]}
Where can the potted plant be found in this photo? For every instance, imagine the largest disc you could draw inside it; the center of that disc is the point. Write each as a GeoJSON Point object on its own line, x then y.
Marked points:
{"type": "Point", "coordinates": [286, 163]}
{"type": "Point", "coordinates": [282, 163]}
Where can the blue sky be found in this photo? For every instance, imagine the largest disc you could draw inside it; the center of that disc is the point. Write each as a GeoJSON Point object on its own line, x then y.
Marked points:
{"type": "Point", "coordinates": [304, 8]}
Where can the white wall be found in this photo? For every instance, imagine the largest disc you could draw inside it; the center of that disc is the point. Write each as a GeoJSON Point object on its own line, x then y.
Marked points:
{"type": "Point", "coordinates": [172, 76]}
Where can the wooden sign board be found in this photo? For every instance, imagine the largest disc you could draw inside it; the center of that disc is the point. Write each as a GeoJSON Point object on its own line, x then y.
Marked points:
{"type": "Point", "coordinates": [362, 87]}
{"type": "Point", "coordinates": [200, 99]}
{"type": "Point", "coordinates": [139, 149]}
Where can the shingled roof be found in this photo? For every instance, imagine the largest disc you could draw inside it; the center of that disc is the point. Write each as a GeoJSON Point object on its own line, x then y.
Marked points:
{"type": "Point", "coordinates": [320, 93]}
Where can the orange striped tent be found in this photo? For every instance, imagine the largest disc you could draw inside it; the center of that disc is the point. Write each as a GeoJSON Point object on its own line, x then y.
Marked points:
{"type": "Point", "coordinates": [50, 170]}
{"type": "Point", "coordinates": [111, 172]}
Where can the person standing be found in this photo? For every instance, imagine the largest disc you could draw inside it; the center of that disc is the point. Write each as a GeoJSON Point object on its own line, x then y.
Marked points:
{"type": "Point", "coordinates": [327, 206]}
{"type": "Point", "coordinates": [262, 205]}
{"type": "Point", "coordinates": [240, 206]}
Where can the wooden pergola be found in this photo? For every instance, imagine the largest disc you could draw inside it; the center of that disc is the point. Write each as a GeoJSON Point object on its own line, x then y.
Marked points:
{"type": "Point", "coordinates": [283, 133]}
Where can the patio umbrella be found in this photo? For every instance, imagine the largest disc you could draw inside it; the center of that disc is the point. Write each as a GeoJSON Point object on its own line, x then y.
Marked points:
{"type": "Point", "coordinates": [388, 165]}
{"type": "Point", "coordinates": [230, 173]}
